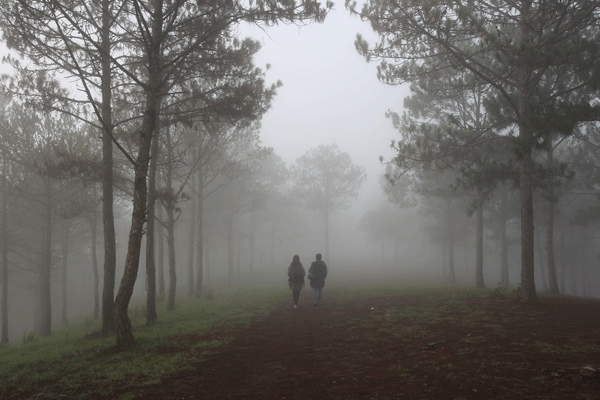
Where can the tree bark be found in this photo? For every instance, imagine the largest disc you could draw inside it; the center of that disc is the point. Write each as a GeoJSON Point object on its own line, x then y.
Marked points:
{"type": "Point", "coordinates": [200, 239]}
{"type": "Point", "coordinates": [123, 331]}
{"type": "Point", "coordinates": [45, 281]}
{"type": "Point", "coordinates": [479, 249]}
{"type": "Point", "coordinates": [192, 238]}
{"type": "Point", "coordinates": [65, 257]}
{"type": "Point", "coordinates": [151, 315]}
{"type": "Point", "coordinates": [562, 255]}
{"type": "Point", "coordinates": [327, 234]}
{"type": "Point", "coordinates": [169, 204]}
{"type": "Point", "coordinates": [230, 250]}
{"type": "Point", "coordinates": [528, 292]}
{"type": "Point", "coordinates": [552, 281]}
{"type": "Point", "coordinates": [110, 247]}
{"type": "Point", "coordinates": [252, 242]}
{"type": "Point", "coordinates": [4, 238]}
{"type": "Point", "coordinates": [504, 281]}
{"type": "Point", "coordinates": [161, 247]}
{"type": "Point", "coordinates": [538, 243]}
{"type": "Point", "coordinates": [94, 229]}
{"type": "Point", "coordinates": [450, 240]}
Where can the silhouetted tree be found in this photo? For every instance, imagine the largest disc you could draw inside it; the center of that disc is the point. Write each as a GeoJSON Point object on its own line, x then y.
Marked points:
{"type": "Point", "coordinates": [325, 180]}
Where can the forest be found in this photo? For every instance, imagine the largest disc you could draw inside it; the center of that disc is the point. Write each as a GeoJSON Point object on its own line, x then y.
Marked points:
{"type": "Point", "coordinates": [132, 164]}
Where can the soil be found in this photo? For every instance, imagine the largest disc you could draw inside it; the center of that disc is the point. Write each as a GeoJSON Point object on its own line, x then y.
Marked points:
{"type": "Point", "coordinates": [396, 347]}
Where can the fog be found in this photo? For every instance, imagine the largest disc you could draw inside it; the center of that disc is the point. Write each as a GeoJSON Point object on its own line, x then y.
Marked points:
{"type": "Point", "coordinates": [330, 96]}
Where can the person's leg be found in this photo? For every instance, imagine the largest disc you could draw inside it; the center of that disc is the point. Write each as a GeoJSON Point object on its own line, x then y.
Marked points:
{"type": "Point", "coordinates": [315, 294]}
{"type": "Point", "coordinates": [319, 291]}
{"type": "Point", "coordinates": [296, 296]}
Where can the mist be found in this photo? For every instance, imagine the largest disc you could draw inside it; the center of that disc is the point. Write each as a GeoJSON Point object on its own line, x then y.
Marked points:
{"type": "Point", "coordinates": [233, 204]}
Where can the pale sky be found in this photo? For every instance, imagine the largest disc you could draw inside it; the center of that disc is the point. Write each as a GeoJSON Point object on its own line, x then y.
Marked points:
{"type": "Point", "coordinates": [330, 94]}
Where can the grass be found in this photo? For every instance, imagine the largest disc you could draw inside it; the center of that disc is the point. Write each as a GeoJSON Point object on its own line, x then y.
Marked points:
{"type": "Point", "coordinates": [69, 365]}
{"type": "Point", "coordinates": [81, 366]}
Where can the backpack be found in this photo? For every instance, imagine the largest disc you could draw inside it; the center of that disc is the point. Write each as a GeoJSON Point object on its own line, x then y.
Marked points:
{"type": "Point", "coordinates": [296, 274]}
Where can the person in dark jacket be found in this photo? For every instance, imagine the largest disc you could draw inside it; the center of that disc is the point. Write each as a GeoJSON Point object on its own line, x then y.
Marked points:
{"type": "Point", "coordinates": [317, 274]}
{"type": "Point", "coordinates": [296, 278]}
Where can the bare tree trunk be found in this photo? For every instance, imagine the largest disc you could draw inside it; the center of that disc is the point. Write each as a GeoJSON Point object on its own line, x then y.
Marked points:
{"type": "Point", "coordinates": [327, 236]}
{"type": "Point", "coordinates": [479, 249]}
{"type": "Point", "coordinates": [4, 238]}
{"type": "Point", "coordinates": [170, 204]}
{"type": "Point", "coordinates": [94, 229]}
{"type": "Point", "coordinates": [504, 281]}
{"type": "Point", "coordinates": [200, 227]}
{"type": "Point", "coordinates": [444, 269]}
{"type": "Point", "coordinates": [553, 284]}
{"type": "Point", "coordinates": [207, 260]}
{"type": "Point", "coordinates": [151, 315]}
{"type": "Point", "coordinates": [230, 250]}
{"type": "Point", "coordinates": [238, 254]}
{"type": "Point", "coordinates": [583, 256]}
{"type": "Point", "coordinates": [161, 248]}
{"type": "Point", "coordinates": [450, 240]}
{"type": "Point", "coordinates": [540, 254]}
{"type": "Point", "coordinates": [123, 331]}
{"type": "Point", "coordinates": [45, 281]}
{"type": "Point", "coordinates": [110, 247]}
{"type": "Point", "coordinates": [528, 292]}
{"type": "Point", "coordinates": [252, 241]}
{"type": "Point", "coordinates": [382, 254]}
{"type": "Point", "coordinates": [562, 255]}
{"type": "Point", "coordinates": [65, 256]}
{"type": "Point", "coordinates": [192, 238]}
{"type": "Point", "coordinates": [171, 246]}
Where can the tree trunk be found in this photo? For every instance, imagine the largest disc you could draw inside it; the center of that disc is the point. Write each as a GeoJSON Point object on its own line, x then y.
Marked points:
{"type": "Point", "coordinates": [382, 254]}
{"type": "Point", "coordinates": [450, 240]}
{"type": "Point", "coordinates": [528, 292]}
{"type": "Point", "coordinates": [584, 240]}
{"type": "Point", "coordinates": [65, 256]}
{"type": "Point", "coordinates": [562, 255]}
{"type": "Point", "coordinates": [4, 239]}
{"type": "Point", "coordinates": [110, 247]}
{"type": "Point", "coordinates": [123, 332]}
{"type": "Point", "coordinates": [45, 281]}
{"type": "Point", "coordinates": [192, 238]}
{"type": "Point", "coordinates": [171, 247]}
{"type": "Point", "coordinates": [252, 242]}
{"type": "Point", "coordinates": [444, 269]}
{"type": "Point", "coordinates": [94, 229]}
{"type": "Point", "coordinates": [200, 239]}
{"type": "Point", "coordinates": [151, 315]}
{"type": "Point", "coordinates": [170, 204]}
{"type": "Point", "coordinates": [538, 243]}
{"type": "Point", "coordinates": [161, 248]}
{"type": "Point", "coordinates": [238, 248]}
{"type": "Point", "coordinates": [327, 235]}
{"type": "Point", "coordinates": [479, 249]}
{"type": "Point", "coordinates": [230, 250]}
{"type": "Point", "coordinates": [207, 260]}
{"type": "Point", "coordinates": [504, 282]}
{"type": "Point", "coordinates": [553, 284]}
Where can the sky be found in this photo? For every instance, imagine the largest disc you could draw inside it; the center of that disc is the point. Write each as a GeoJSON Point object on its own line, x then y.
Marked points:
{"type": "Point", "coordinates": [330, 94]}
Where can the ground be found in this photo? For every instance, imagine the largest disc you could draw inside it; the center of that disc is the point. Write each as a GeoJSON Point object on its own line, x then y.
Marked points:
{"type": "Point", "coordinates": [410, 346]}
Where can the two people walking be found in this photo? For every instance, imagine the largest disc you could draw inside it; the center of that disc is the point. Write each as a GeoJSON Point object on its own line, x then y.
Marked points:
{"type": "Point", "coordinates": [316, 275]}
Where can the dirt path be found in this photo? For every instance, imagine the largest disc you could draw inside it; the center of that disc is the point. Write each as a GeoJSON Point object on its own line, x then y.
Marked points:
{"type": "Point", "coordinates": [383, 348]}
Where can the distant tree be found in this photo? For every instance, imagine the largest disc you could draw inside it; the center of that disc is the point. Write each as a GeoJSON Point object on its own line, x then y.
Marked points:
{"type": "Point", "coordinates": [325, 180]}
{"type": "Point", "coordinates": [382, 224]}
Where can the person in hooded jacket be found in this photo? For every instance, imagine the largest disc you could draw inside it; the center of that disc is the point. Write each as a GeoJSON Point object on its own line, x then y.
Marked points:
{"type": "Point", "coordinates": [317, 274]}
{"type": "Point", "coordinates": [296, 278]}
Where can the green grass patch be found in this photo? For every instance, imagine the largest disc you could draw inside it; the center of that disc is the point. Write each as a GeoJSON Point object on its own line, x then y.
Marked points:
{"type": "Point", "coordinates": [70, 364]}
